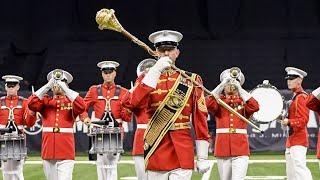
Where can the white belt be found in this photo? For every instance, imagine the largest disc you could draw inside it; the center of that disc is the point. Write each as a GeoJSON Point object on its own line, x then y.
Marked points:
{"type": "Point", "coordinates": [142, 126]}
{"type": "Point", "coordinates": [57, 130]}
{"type": "Point", "coordinates": [231, 131]}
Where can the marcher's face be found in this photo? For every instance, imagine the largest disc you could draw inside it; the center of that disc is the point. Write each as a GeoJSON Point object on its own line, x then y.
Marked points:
{"type": "Point", "coordinates": [173, 54]}
{"type": "Point", "coordinates": [12, 90]}
{"type": "Point", "coordinates": [230, 89]}
{"type": "Point", "coordinates": [294, 83]}
{"type": "Point", "coordinates": [108, 77]}
{"type": "Point", "coordinates": [57, 90]}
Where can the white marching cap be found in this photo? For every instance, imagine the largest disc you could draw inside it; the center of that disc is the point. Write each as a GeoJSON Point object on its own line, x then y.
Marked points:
{"type": "Point", "coordinates": [165, 38]}
{"type": "Point", "coordinates": [226, 74]}
{"type": "Point", "coordinates": [146, 63]}
{"type": "Point", "coordinates": [108, 65]}
{"type": "Point", "coordinates": [65, 75]}
{"type": "Point", "coordinates": [12, 78]}
{"type": "Point", "coordinates": [292, 71]}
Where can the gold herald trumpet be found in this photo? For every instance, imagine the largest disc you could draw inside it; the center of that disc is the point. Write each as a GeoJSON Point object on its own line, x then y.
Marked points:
{"type": "Point", "coordinates": [106, 19]}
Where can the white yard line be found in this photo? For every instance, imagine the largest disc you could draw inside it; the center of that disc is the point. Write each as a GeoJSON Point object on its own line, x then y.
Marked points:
{"type": "Point", "coordinates": [211, 161]}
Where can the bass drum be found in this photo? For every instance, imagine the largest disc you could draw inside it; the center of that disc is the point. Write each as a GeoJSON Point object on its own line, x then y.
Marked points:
{"type": "Point", "coordinates": [271, 103]}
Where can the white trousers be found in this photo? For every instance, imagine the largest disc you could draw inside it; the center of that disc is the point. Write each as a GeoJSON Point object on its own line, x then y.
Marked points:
{"type": "Point", "coordinates": [176, 174]}
{"type": "Point", "coordinates": [139, 166]}
{"type": "Point", "coordinates": [12, 170]}
{"type": "Point", "coordinates": [58, 169]}
{"type": "Point", "coordinates": [296, 163]}
{"type": "Point", "coordinates": [107, 166]}
{"type": "Point", "coordinates": [233, 168]}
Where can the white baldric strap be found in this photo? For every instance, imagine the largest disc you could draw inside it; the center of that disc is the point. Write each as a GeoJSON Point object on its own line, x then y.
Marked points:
{"type": "Point", "coordinates": [142, 126]}
{"type": "Point", "coordinates": [231, 131]}
{"type": "Point", "coordinates": [61, 130]}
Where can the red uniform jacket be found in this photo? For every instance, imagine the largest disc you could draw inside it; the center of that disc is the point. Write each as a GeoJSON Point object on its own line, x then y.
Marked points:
{"type": "Point", "coordinates": [118, 111]}
{"type": "Point", "coordinates": [314, 104]}
{"type": "Point", "coordinates": [298, 120]}
{"type": "Point", "coordinates": [22, 115]}
{"type": "Point", "coordinates": [231, 144]}
{"type": "Point", "coordinates": [142, 117]}
{"type": "Point", "coordinates": [176, 148]}
{"type": "Point", "coordinates": [57, 111]}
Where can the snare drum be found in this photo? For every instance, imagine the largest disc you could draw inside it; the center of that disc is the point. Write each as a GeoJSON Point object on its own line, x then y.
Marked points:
{"type": "Point", "coordinates": [106, 140]}
{"type": "Point", "coordinates": [12, 147]}
{"type": "Point", "coordinates": [271, 103]}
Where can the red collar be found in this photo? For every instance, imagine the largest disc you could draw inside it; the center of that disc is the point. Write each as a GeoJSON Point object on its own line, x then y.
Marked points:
{"type": "Point", "coordinates": [109, 86]}
{"type": "Point", "coordinates": [12, 97]}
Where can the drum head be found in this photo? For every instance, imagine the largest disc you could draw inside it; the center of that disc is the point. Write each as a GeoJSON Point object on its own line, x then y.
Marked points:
{"type": "Point", "coordinates": [270, 104]}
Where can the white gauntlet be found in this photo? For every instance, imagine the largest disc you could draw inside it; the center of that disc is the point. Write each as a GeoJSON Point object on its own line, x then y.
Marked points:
{"type": "Point", "coordinates": [202, 147]}
{"type": "Point", "coordinates": [316, 93]}
{"type": "Point", "coordinates": [218, 90]}
{"type": "Point", "coordinates": [244, 95]}
{"type": "Point", "coordinates": [71, 94]}
{"type": "Point", "coordinates": [44, 89]}
{"type": "Point", "coordinates": [152, 77]}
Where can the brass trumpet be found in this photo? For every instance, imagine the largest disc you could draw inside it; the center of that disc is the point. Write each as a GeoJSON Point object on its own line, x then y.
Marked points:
{"type": "Point", "coordinates": [57, 74]}
{"type": "Point", "coordinates": [235, 72]}
{"type": "Point", "coordinates": [106, 19]}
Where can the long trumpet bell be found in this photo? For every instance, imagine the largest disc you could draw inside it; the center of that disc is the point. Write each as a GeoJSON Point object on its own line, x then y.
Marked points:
{"type": "Point", "coordinates": [106, 19]}
{"type": "Point", "coordinates": [235, 72]}
{"type": "Point", "coordinates": [57, 74]}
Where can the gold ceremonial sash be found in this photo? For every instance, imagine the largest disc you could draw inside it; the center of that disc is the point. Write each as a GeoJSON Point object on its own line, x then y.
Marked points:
{"type": "Point", "coordinates": [166, 114]}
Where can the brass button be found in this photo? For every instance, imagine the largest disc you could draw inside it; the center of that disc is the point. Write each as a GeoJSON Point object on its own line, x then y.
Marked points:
{"type": "Point", "coordinates": [107, 96]}
{"type": "Point", "coordinates": [58, 101]}
{"type": "Point", "coordinates": [231, 125]}
{"type": "Point", "coordinates": [56, 124]}
{"type": "Point", "coordinates": [57, 114]}
{"type": "Point", "coordinates": [108, 91]}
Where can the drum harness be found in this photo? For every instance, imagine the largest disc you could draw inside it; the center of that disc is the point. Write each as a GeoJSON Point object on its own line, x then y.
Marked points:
{"type": "Point", "coordinates": [11, 124]}
{"type": "Point", "coordinates": [107, 116]}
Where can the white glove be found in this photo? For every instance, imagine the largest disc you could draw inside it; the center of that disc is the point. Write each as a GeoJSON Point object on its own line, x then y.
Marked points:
{"type": "Point", "coordinates": [152, 77]}
{"type": "Point", "coordinates": [218, 90]}
{"type": "Point", "coordinates": [316, 93]}
{"type": "Point", "coordinates": [243, 93]}
{"type": "Point", "coordinates": [203, 166]}
{"type": "Point", "coordinates": [44, 89]}
{"type": "Point", "coordinates": [202, 147]}
{"type": "Point", "coordinates": [72, 95]}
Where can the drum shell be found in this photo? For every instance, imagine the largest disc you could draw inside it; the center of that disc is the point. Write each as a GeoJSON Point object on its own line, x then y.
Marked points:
{"type": "Point", "coordinates": [12, 147]}
{"type": "Point", "coordinates": [106, 140]}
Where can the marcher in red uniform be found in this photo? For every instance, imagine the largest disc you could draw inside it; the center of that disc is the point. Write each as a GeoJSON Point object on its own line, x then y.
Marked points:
{"type": "Point", "coordinates": [231, 144]}
{"type": "Point", "coordinates": [173, 157]}
{"type": "Point", "coordinates": [313, 103]}
{"type": "Point", "coordinates": [142, 119]}
{"type": "Point", "coordinates": [58, 116]}
{"type": "Point", "coordinates": [298, 117]}
{"type": "Point", "coordinates": [106, 98]}
{"type": "Point", "coordinates": [14, 108]}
